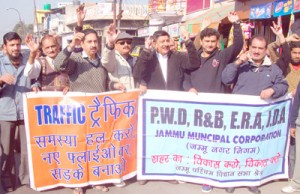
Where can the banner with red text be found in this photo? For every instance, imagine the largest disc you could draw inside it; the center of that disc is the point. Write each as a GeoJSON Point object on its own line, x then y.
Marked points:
{"type": "Point", "coordinates": [223, 140]}
{"type": "Point", "coordinates": [80, 139]}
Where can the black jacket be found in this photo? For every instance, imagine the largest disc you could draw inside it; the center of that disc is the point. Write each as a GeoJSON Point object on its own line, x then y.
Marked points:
{"type": "Point", "coordinates": [207, 78]}
{"type": "Point", "coordinates": [147, 69]}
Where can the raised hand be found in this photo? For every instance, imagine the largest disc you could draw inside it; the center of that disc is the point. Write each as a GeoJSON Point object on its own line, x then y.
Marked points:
{"type": "Point", "coordinates": [32, 44]}
{"type": "Point", "coordinates": [185, 35]}
{"type": "Point", "coordinates": [277, 30]}
{"type": "Point", "coordinates": [148, 42]}
{"type": "Point", "coordinates": [78, 37]}
{"type": "Point", "coordinates": [80, 12]}
{"type": "Point", "coordinates": [293, 38]}
{"type": "Point", "coordinates": [112, 34]}
{"type": "Point", "coordinates": [233, 17]}
{"type": "Point", "coordinates": [242, 59]}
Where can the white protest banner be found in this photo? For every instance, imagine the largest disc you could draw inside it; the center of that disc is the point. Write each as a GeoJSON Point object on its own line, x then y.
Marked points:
{"type": "Point", "coordinates": [218, 139]}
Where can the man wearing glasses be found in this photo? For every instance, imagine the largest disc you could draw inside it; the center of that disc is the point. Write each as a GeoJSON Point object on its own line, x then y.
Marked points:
{"type": "Point", "coordinates": [116, 57]}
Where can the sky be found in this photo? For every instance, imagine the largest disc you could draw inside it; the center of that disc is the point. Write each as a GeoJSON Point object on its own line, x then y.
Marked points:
{"type": "Point", "coordinates": [8, 18]}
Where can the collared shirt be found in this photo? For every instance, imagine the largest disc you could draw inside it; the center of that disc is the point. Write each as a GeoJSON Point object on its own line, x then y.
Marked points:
{"type": "Point", "coordinates": [95, 62]}
{"type": "Point", "coordinates": [129, 60]}
{"type": "Point", "coordinates": [163, 62]}
{"type": "Point", "coordinates": [11, 96]}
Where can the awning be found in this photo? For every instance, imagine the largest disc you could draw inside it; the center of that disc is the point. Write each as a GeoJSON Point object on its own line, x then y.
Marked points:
{"type": "Point", "coordinates": [218, 15]}
{"type": "Point", "coordinates": [214, 15]}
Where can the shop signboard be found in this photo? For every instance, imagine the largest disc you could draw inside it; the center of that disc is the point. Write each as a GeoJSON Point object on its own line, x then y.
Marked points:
{"type": "Point", "coordinates": [296, 6]}
{"type": "Point", "coordinates": [157, 5]}
{"type": "Point", "coordinates": [283, 7]}
{"type": "Point", "coordinates": [261, 11]}
{"type": "Point", "coordinates": [176, 5]}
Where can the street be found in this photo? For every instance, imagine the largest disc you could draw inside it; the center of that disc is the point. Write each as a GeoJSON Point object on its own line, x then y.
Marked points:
{"type": "Point", "coordinates": [160, 187]}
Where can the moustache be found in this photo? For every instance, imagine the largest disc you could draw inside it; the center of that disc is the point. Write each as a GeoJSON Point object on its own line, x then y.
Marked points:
{"type": "Point", "coordinates": [126, 47]}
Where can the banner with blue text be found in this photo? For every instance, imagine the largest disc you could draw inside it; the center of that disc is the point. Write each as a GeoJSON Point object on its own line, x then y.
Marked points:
{"type": "Point", "coordinates": [80, 139]}
{"type": "Point", "coordinates": [218, 139]}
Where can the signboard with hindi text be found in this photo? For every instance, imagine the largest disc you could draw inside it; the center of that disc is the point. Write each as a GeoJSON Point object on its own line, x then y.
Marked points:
{"type": "Point", "coordinates": [223, 140]}
{"type": "Point", "coordinates": [80, 139]}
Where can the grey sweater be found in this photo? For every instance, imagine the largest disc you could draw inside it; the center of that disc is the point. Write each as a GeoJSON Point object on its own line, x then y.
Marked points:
{"type": "Point", "coordinates": [84, 77]}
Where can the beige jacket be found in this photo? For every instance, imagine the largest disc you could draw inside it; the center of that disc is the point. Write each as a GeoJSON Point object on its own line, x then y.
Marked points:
{"type": "Point", "coordinates": [118, 68]}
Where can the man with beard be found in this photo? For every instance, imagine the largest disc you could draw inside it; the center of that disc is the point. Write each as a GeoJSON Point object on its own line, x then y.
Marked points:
{"type": "Point", "coordinates": [116, 57]}
{"type": "Point", "coordinates": [289, 59]}
{"type": "Point", "coordinates": [292, 70]}
{"type": "Point", "coordinates": [12, 85]}
{"type": "Point", "coordinates": [207, 78]}
{"type": "Point", "coordinates": [43, 68]}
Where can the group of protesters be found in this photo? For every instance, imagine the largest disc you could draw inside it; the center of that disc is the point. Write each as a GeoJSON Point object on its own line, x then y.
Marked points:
{"type": "Point", "coordinates": [260, 71]}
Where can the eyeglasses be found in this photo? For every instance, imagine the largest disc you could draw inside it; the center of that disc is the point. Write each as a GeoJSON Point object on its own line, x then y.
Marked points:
{"type": "Point", "coordinates": [128, 42]}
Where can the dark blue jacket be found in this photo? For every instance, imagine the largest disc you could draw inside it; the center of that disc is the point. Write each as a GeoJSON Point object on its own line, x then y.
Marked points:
{"type": "Point", "coordinates": [251, 79]}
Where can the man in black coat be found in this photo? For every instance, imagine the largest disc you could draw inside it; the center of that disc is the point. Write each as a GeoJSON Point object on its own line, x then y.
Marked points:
{"type": "Point", "coordinates": [162, 69]}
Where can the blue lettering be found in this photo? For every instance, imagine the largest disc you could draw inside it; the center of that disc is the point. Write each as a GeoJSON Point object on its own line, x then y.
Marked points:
{"type": "Point", "coordinates": [39, 114]}
{"type": "Point", "coordinates": [47, 115]}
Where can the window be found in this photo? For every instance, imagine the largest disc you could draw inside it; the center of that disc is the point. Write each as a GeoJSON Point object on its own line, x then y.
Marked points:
{"type": "Point", "coordinates": [196, 5]}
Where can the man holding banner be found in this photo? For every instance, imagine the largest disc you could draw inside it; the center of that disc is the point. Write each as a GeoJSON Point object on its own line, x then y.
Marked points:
{"type": "Point", "coordinates": [12, 86]}
{"type": "Point", "coordinates": [162, 68]}
{"type": "Point", "coordinates": [85, 70]}
{"type": "Point", "coordinates": [253, 74]}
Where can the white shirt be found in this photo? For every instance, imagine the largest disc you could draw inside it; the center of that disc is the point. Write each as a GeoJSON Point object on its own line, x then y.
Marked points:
{"type": "Point", "coordinates": [163, 62]}
{"type": "Point", "coordinates": [33, 70]}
